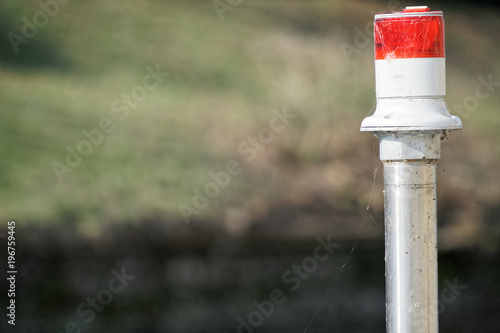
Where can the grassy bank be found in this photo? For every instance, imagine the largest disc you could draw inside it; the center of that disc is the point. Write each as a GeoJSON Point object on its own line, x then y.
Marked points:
{"type": "Point", "coordinates": [224, 80]}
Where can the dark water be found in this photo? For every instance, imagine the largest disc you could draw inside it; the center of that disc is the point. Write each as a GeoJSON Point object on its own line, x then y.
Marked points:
{"type": "Point", "coordinates": [152, 279]}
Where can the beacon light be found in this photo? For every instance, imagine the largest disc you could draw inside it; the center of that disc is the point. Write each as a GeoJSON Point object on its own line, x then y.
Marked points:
{"type": "Point", "coordinates": [410, 72]}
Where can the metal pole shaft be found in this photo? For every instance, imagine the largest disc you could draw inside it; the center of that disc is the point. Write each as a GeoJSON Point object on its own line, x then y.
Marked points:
{"type": "Point", "coordinates": [411, 246]}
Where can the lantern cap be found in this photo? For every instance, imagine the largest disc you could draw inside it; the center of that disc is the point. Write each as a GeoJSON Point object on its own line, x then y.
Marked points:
{"type": "Point", "coordinates": [416, 9]}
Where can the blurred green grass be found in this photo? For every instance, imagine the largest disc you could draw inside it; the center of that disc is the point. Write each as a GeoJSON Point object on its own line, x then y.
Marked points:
{"type": "Point", "coordinates": [224, 79]}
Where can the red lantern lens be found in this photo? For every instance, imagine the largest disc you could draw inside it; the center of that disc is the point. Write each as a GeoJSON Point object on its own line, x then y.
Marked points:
{"type": "Point", "coordinates": [413, 33]}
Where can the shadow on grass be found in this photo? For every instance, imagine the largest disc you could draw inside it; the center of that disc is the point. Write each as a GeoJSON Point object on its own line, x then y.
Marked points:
{"type": "Point", "coordinates": [35, 52]}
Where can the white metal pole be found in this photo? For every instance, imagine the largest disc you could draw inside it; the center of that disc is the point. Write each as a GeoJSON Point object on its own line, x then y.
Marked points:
{"type": "Point", "coordinates": [410, 120]}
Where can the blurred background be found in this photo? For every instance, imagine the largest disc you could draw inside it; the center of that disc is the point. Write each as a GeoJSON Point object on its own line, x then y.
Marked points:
{"type": "Point", "coordinates": [173, 161]}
